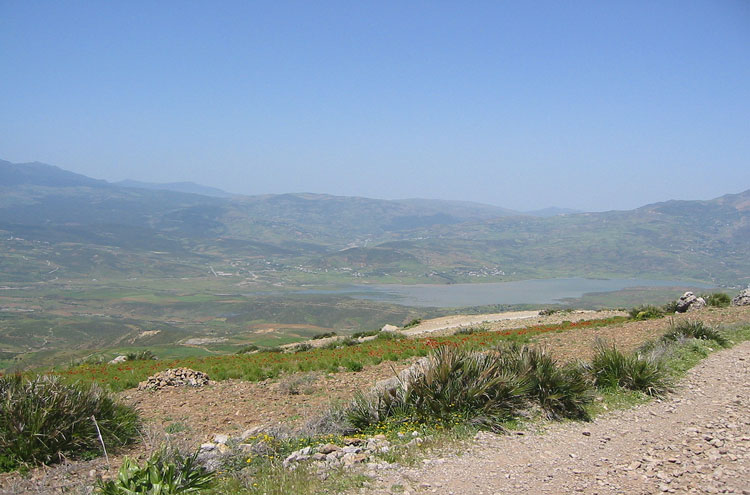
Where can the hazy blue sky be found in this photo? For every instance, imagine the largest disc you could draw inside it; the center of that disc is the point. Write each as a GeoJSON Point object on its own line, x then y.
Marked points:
{"type": "Point", "coordinates": [585, 104]}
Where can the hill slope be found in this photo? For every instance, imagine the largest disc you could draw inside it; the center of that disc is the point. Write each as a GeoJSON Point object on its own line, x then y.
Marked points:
{"type": "Point", "coordinates": [64, 217]}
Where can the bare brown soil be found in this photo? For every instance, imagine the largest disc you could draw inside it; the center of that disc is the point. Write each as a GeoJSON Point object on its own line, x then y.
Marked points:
{"type": "Point", "coordinates": [580, 343]}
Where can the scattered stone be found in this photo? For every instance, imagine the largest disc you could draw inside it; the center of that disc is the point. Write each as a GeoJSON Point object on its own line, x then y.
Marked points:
{"type": "Point", "coordinates": [328, 448]}
{"type": "Point", "coordinates": [389, 328]}
{"type": "Point", "coordinates": [353, 441]}
{"type": "Point", "coordinates": [119, 359]}
{"type": "Point", "coordinates": [742, 299]}
{"type": "Point", "coordinates": [251, 432]}
{"type": "Point", "coordinates": [690, 302]}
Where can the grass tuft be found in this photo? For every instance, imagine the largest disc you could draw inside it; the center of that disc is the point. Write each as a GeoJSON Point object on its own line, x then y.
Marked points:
{"type": "Point", "coordinates": [612, 369]}
{"type": "Point", "coordinates": [485, 389]}
{"type": "Point", "coordinates": [562, 392]}
{"type": "Point", "coordinates": [646, 312]}
{"type": "Point", "coordinates": [695, 330]}
{"type": "Point", "coordinates": [717, 299]}
{"type": "Point", "coordinates": [43, 420]}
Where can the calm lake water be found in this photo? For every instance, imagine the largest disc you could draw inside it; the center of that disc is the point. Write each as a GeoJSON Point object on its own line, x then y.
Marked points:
{"type": "Point", "coordinates": [522, 292]}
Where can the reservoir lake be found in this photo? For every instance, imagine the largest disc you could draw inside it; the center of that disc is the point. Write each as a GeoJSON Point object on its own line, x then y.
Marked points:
{"type": "Point", "coordinates": [544, 291]}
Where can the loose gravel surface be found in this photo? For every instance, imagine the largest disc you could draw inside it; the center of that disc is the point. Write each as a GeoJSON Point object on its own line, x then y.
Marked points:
{"type": "Point", "coordinates": [696, 441]}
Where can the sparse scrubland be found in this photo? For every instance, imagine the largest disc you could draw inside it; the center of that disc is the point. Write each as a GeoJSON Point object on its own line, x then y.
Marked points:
{"type": "Point", "coordinates": [348, 353]}
{"type": "Point", "coordinates": [476, 379]}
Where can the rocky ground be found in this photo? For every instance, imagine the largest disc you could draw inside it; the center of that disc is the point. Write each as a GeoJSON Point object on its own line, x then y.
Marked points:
{"type": "Point", "coordinates": [696, 441]}
{"type": "Point", "coordinates": [191, 416]}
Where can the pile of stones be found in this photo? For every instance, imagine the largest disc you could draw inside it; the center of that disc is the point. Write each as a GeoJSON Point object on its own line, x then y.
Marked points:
{"type": "Point", "coordinates": [174, 377]}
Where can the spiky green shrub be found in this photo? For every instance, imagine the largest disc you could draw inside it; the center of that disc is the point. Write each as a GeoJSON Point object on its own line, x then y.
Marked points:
{"type": "Point", "coordinates": [43, 420]}
{"type": "Point", "coordinates": [718, 299]}
{"type": "Point", "coordinates": [611, 369]}
{"type": "Point", "coordinates": [454, 383]}
{"type": "Point", "coordinates": [475, 385]}
{"type": "Point", "coordinates": [248, 348]}
{"type": "Point", "coordinates": [165, 473]}
{"type": "Point", "coordinates": [645, 312]}
{"type": "Point", "coordinates": [695, 330]}
{"type": "Point", "coordinates": [481, 388]}
{"type": "Point", "coordinates": [562, 392]}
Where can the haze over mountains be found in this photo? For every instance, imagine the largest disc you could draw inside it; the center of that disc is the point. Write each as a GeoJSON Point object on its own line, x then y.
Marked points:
{"type": "Point", "coordinates": [88, 227]}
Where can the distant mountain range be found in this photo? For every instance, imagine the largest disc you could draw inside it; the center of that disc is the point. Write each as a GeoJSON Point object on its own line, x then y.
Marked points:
{"type": "Point", "coordinates": [185, 187]}
{"type": "Point", "coordinates": [66, 218]}
{"type": "Point", "coordinates": [41, 174]}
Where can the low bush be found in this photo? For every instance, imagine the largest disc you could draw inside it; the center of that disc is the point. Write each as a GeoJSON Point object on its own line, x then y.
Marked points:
{"type": "Point", "coordinates": [695, 330]}
{"type": "Point", "coordinates": [717, 299]}
{"type": "Point", "coordinates": [472, 330]}
{"type": "Point", "coordinates": [369, 333]}
{"type": "Point", "coordinates": [333, 421]}
{"type": "Point", "coordinates": [302, 347]}
{"type": "Point", "coordinates": [166, 472]}
{"type": "Point", "coordinates": [346, 342]}
{"type": "Point", "coordinates": [413, 323]}
{"type": "Point", "coordinates": [355, 366]}
{"type": "Point", "coordinates": [325, 335]}
{"type": "Point", "coordinates": [146, 355]}
{"type": "Point", "coordinates": [562, 392]}
{"type": "Point", "coordinates": [645, 312]}
{"type": "Point", "coordinates": [391, 336]}
{"type": "Point", "coordinates": [247, 349]}
{"type": "Point", "coordinates": [479, 388]}
{"type": "Point", "coordinates": [670, 307]}
{"type": "Point", "coordinates": [298, 384]}
{"type": "Point", "coordinates": [611, 369]}
{"type": "Point", "coordinates": [43, 420]}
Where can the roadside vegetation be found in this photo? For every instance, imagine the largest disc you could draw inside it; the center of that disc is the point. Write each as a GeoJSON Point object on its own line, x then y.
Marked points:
{"type": "Point", "coordinates": [473, 380]}
{"type": "Point", "coordinates": [347, 354]}
{"type": "Point", "coordinates": [458, 392]}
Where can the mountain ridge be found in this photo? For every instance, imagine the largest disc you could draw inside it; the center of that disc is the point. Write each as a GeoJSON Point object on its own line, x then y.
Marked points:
{"type": "Point", "coordinates": [418, 240]}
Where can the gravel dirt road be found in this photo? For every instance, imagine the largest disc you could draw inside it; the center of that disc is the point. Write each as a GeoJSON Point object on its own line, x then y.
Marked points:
{"type": "Point", "coordinates": [695, 441]}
